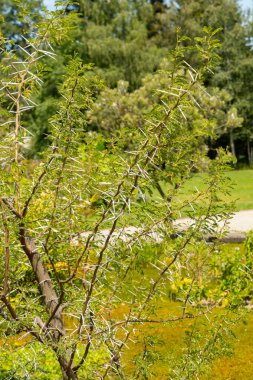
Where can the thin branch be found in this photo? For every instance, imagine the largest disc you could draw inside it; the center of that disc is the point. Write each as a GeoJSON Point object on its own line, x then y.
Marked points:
{"type": "Point", "coordinates": [6, 255]}
{"type": "Point", "coordinates": [89, 338]}
{"type": "Point", "coordinates": [36, 186]}
{"type": "Point", "coordinates": [10, 308]}
{"type": "Point", "coordinates": [11, 207]}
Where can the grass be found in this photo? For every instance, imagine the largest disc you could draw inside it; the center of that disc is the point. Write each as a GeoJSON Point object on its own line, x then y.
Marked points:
{"type": "Point", "coordinates": [243, 189]}
{"type": "Point", "coordinates": [241, 193]}
{"type": "Point", "coordinates": [169, 341]}
{"type": "Point", "coordinates": [239, 365]}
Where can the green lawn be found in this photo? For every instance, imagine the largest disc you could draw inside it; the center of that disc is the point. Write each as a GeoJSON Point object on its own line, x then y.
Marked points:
{"type": "Point", "coordinates": [241, 193]}
{"type": "Point", "coordinates": [243, 189]}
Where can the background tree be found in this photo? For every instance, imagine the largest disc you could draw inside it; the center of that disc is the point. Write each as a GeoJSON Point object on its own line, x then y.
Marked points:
{"type": "Point", "coordinates": [234, 72]}
{"type": "Point", "coordinates": [16, 21]}
{"type": "Point", "coordinates": [127, 40]}
{"type": "Point", "coordinates": [114, 36]}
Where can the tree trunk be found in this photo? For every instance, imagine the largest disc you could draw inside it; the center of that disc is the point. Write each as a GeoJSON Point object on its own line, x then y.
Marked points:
{"type": "Point", "coordinates": [51, 301]}
{"type": "Point", "coordinates": [67, 373]}
{"type": "Point", "coordinates": [44, 281]}
{"type": "Point", "coordinates": [232, 143]}
{"type": "Point", "coordinates": [49, 294]}
{"type": "Point", "coordinates": [250, 152]}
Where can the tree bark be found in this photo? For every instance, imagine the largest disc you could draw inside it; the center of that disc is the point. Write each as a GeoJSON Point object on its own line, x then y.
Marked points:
{"type": "Point", "coordinates": [232, 143]}
{"type": "Point", "coordinates": [51, 300]}
{"type": "Point", "coordinates": [250, 152]}
{"type": "Point", "coordinates": [67, 373]}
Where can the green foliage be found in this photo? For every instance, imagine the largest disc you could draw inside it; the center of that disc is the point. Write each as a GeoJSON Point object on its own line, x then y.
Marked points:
{"type": "Point", "coordinates": [147, 358]}
{"type": "Point", "coordinates": [235, 68]}
{"type": "Point", "coordinates": [203, 346]}
{"type": "Point", "coordinates": [127, 40]}
{"type": "Point", "coordinates": [74, 221]}
{"type": "Point", "coordinates": [18, 18]}
{"type": "Point", "coordinates": [114, 36]}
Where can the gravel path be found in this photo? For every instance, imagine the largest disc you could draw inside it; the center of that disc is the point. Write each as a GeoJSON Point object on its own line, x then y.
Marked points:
{"type": "Point", "coordinates": [240, 223]}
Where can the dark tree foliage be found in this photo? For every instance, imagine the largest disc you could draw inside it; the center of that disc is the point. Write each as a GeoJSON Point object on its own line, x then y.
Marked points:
{"type": "Point", "coordinates": [115, 37]}
{"type": "Point", "coordinates": [235, 71]}
{"type": "Point", "coordinates": [127, 39]}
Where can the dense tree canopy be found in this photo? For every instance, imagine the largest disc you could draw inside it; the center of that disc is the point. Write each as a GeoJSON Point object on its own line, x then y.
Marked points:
{"type": "Point", "coordinates": [127, 40]}
{"type": "Point", "coordinates": [236, 65]}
